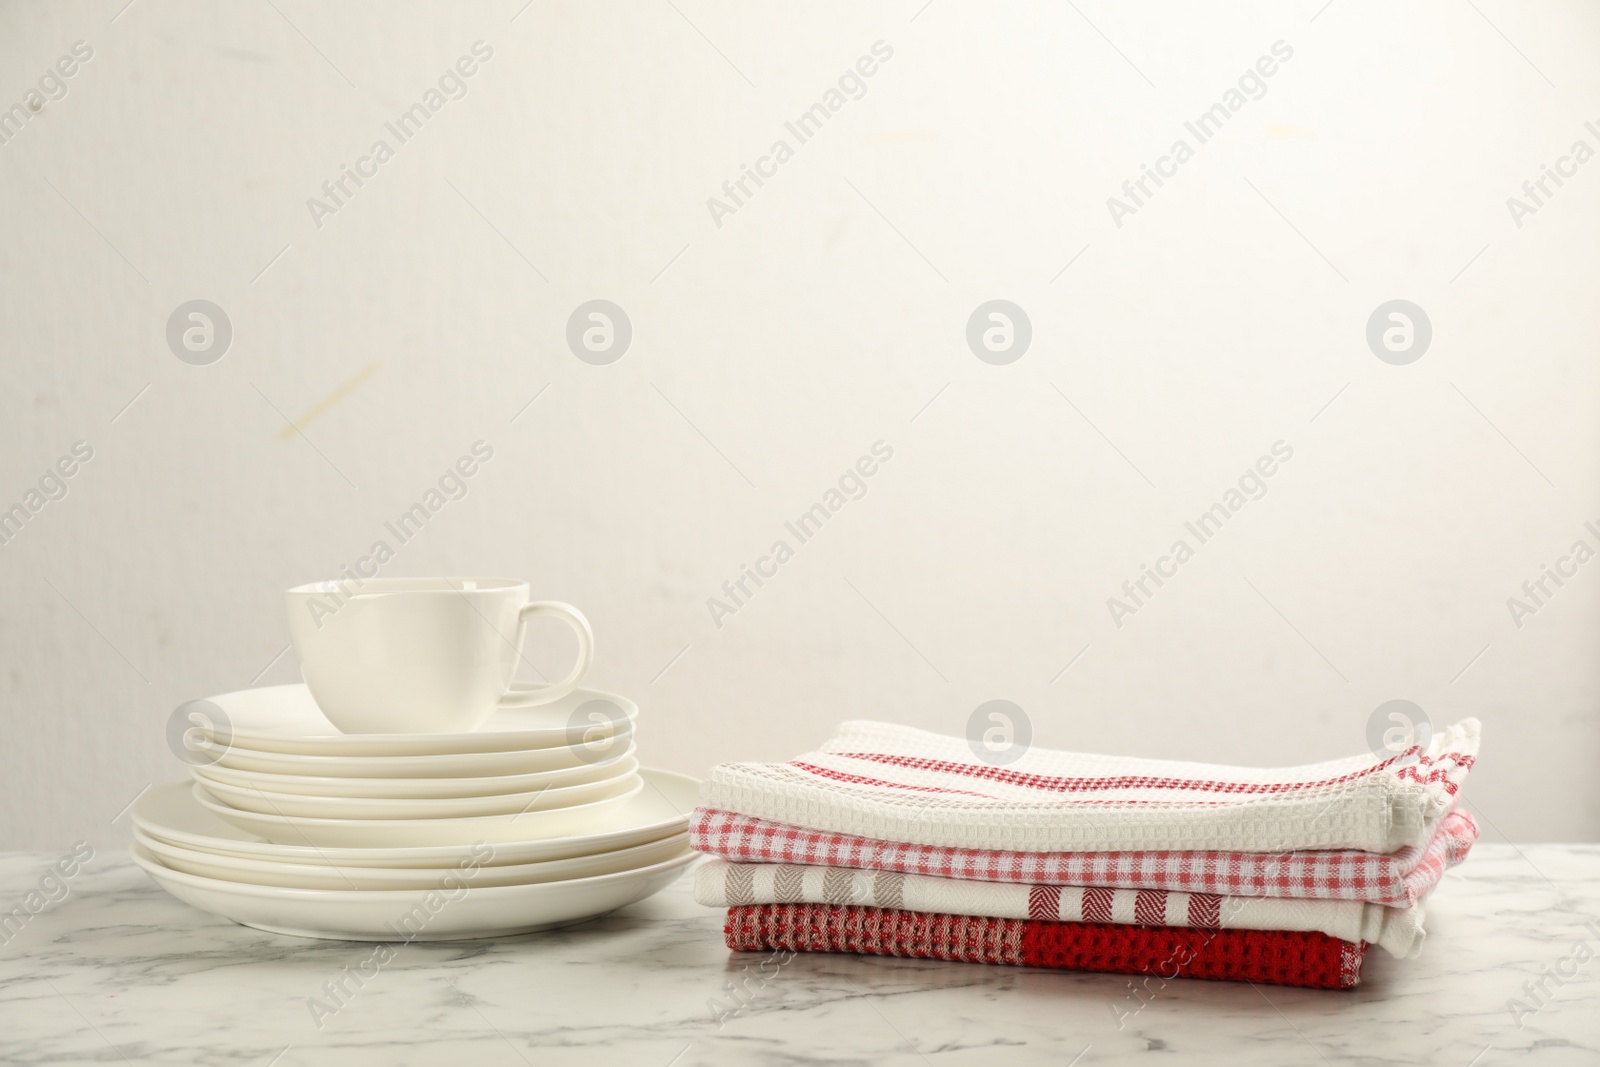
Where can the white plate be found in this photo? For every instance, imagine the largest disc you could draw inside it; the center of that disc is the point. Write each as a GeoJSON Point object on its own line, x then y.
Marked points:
{"type": "Point", "coordinates": [399, 833]}
{"type": "Point", "coordinates": [318, 876]}
{"type": "Point", "coordinates": [285, 718]}
{"type": "Point", "coordinates": [301, 806]}
{"type": "Point", "coordinates": [449, 765]}
{"type": "Point", "coordinates": [401, 915]}
{"type": "Point", "coordinates": [170, 813]}
{"type": "Point", "coordinates": [414, 788]}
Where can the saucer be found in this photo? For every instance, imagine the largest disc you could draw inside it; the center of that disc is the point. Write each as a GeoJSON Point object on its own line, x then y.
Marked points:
{"type": "Point", "coordinates": [285, 718]}
{"type": "Point", "coordinates": [448, 765]}
{"type": "Point", "coordinates": [393, 833]}
{"type": "Point", "coordinates": [170, 813]}
{"type": "Point", "coordinates": [403, 915]}
{"type": "Point", "coordinates": [300, 805]}
{"type": "Point", "coordinates": [416, 788]}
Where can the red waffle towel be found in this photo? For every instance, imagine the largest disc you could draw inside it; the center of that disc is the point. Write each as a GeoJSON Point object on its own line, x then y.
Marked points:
{"type": "Point", "coordinates": [1271, 956]}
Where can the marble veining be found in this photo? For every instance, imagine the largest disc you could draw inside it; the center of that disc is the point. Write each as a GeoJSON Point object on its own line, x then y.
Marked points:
{"type": "Point", "coordinates": [118, 971]}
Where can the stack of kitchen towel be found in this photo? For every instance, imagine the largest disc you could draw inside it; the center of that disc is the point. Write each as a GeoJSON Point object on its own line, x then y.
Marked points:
{"type": "Point", "coordinates": [898, 842]}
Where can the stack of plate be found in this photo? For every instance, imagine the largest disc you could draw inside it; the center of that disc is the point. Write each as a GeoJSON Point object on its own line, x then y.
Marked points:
{"type": "Point", "coordinates": [540, 818]}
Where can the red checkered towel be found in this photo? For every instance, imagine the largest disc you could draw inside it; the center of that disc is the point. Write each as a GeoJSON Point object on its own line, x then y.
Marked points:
{"type": "Point", "coordinates": [1275, 956]}
{"type": "Point", "coordinates": [1398, 878]}
{"type": "Point", "coordinates": [895, 783]}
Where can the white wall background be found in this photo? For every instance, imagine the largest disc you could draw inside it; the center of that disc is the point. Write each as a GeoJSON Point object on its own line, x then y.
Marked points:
{"type": "Point", "coordinates": [1227, 314]}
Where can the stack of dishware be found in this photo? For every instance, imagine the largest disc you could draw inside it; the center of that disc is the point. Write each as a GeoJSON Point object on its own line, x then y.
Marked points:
{"type": "Point", "coordinates": [410, 790]}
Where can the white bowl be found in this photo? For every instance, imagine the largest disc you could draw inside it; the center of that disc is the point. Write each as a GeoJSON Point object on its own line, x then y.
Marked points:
{"type": "Point", "coordinates": [404, 915]}
{"type": "Point", "coordinates": [415, 788]}
{"type": "Point", "coordinates": [170, 813]}
{"type": "Point", "coordinates": [298, 805]}
{"type": "Point", "coordinates": [313, 876]}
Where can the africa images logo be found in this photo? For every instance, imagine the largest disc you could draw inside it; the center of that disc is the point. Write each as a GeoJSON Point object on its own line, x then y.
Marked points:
{"type": "Point", "coordinates": [1252, 85]}
{"type": "Point", "coordinates": [452, 85]}
{"type": "Point", "coordinates": [809, 123]}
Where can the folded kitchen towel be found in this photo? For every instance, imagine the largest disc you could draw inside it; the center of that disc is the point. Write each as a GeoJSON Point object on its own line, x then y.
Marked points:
{"type": "Point", "coordinates": [720, 884]}
{"type": "Point", "coordinates": [896, 783]}
{"type": "Point", "coordinates": [1280, 957]}
{"type": "Point", "coordinates": [1396, 878]}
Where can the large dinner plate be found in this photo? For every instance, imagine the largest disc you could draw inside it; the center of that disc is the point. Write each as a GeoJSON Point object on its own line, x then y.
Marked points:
{"type": "Point", "coordinates": [320, 876]}
{"type": "Point", "coordinates": [458, 912]}
{"type": "Point", "coordinates": [170, 813]}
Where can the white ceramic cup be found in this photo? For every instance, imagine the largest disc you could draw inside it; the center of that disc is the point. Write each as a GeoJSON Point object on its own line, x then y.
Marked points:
{"type": "Point", "coordinates": [422, 655]}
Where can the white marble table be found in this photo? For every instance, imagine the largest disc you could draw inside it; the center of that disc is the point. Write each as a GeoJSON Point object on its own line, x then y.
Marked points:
{"type": "Point", "coordinates": [118, 971]}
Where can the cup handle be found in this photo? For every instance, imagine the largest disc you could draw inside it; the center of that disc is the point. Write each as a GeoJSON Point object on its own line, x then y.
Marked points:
{"type": "Point", "coordinates": [544, 694]}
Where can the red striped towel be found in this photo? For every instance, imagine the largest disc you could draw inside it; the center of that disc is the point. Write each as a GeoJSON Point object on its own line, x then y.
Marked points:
{"type": "Point", "coordinates": [1273, 956]}
{"type": "Point", "coordinates": [895, 783]}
